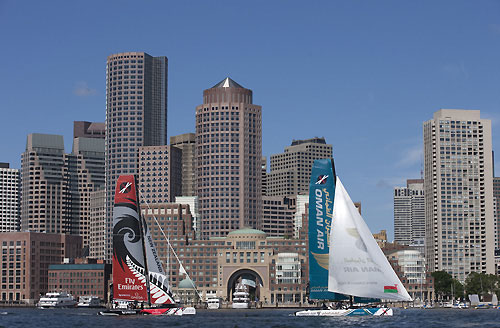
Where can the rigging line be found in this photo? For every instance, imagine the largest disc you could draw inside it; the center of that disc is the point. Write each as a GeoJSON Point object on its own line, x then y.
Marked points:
{"type": "Point", "coordinates": [170, 245]}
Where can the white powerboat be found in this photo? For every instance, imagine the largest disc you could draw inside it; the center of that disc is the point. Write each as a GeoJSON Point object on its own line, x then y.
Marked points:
{"type": "Point", "coordinates": [241, 297]}
{"type": "Point", "coordinates": [213, 303]}
{"type": "Point", "coordinates": [89, 302]}
{"type": "Point", "coordinates": [56, 299]}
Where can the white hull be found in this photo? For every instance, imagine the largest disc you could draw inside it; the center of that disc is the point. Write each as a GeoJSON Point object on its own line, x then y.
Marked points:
{"type": "Point", "coordinates": [240, 306]}
{"type": "Point", "coordinates": [56, 300]}
{"type": "Point", "coordinates": [347, 312]}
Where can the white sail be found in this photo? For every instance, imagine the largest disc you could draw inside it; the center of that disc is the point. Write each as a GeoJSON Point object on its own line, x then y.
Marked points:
{"type": "Point", "coordinates": [357, 265]}
{"type": "Point", "coordinates": [158, 281]}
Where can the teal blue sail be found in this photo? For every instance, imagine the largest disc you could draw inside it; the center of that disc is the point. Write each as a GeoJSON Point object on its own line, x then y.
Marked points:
{"type": "Point", "coordinates": [321, 196]}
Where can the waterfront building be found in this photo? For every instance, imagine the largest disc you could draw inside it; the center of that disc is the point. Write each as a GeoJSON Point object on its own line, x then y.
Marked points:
{"type": "Point", "coordinates": [82, 278]}
{"type": "Point", "coordinates": [409, 213]}
{"type": "Point", "coordinates": [409, 265]}
{"type": "Point", "coordinates": [84, 129]}
{"type": "Point", "coordinates": [160, 173]}
{"type": "Point", "coordinates": [26, 257]}
{"type": "Point", "coordinates": [302, 204]}
{"type": "Point", "coordinates": [228, 157]}
{"type": "Point", "coordinates": [187, 143]}
{"type": "Point", "coordinates": [458, 189]}
{"type": "Point", "coordinates": [136, 115]}
{"type": "Point", "coordinates": [9, 198]}
{"type": "Point", "coordinates": [291, 170]}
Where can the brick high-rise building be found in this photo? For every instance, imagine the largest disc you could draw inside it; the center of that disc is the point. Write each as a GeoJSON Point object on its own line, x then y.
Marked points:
{"type": "Point", "coordinates": [160, 177]}
{"type": "Point", "coordinates": [136, 115]}
{"type": "Point", "coordinates": [187, 143]}
{"type": "Point", "coordinates": [229, 157]}
{"type": "Point", "coordinates": [291, 171]}
{"type": "Point", "coordinates": [9, 198]}
{"type": "Point", "coordinates": [26, 257]}
{"type": "Point", "coordinates": [458, 188]}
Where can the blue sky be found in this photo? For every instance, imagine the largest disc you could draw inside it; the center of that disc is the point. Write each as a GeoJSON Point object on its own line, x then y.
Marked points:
{"type": "Point", "coordinates": [363, 74]}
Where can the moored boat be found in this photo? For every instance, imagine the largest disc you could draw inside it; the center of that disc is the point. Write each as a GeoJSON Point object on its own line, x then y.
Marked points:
{"type": "Point", "coordinates": [89, 302]}
{"type": "Point", "coordinates": [56, 300]}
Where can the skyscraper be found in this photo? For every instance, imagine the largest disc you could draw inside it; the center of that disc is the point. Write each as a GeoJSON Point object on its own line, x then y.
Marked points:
{"type": "Point", "coordinates": [291, 170]}
{"type": "Point", "coordinates": [136, 115]}
{"type": "Point", "coordinates": [229, 157]}
{"type": "Point", "coordinates": [56, 186]}
{"type": "Point", "coordinates": [459, 193]}
{"type": "Point", "coordinates": [187, 143]}
{"type": "Point", "coordinates": [43, 206]}
{"type": "Point", "coordinates": [9, 198]}
{"type": "Point", "coordinates": [409, 213]}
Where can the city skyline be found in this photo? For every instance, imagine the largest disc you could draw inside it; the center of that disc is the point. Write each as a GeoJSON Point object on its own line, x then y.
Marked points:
{"type": "Point", "coordinates": [364, 77]}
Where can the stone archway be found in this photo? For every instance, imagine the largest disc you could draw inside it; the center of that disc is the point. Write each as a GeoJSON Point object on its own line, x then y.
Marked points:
{"type": "Point", "coordinates": [245, 274]}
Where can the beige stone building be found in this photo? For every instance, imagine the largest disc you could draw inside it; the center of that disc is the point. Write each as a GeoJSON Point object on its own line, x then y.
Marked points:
{"type": "Point", "coordinates": [291, 170]}
{"type": "Point", "coordinates": [458, 189]}
{"type": "Point", "coordinates": [9, 198]}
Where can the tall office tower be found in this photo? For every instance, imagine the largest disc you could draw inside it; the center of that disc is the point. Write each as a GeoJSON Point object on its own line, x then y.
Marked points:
{"type": "Point", "coordinates": [187, 143]}
{"type": "Point", "coordinates": [136, 115]}
{"type": "Point", "coordinates": [229, 155]}
{"type": "Point", "coordinates": [458, 188]}
{"type": "Point", "coordinates": [9, 198]}
{"type": "Point", "coordinates": [56, 186]}
{"type": "Point", "coordinates": [409, 213]}
{"type": "Point", "coordinates": [291, 170]}
{"type": "Point", "coordinates": [160, 174]}
{"type": "Point", "coordinates": [87, 177]}
{"type": "Point", "coordinates": [88, 129]}
{"type": "Point", "coordinates": [43, 206]}
{"type": "Point", "coordinates": [264, 176]}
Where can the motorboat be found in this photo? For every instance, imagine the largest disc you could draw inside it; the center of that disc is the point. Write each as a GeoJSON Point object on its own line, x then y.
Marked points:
{"type": "Point", "coordinates": [56, 300]}
{"type": "Point", "coordinates": [89, 302]}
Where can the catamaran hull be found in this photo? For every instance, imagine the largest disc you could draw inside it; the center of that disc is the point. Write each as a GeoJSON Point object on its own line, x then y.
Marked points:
{"type": "Point", "coordinates": [346, 313]}
{"type": "Point", "coordinates": [117, 312]}
{"type": "Point", "coordinates": [163, 311]}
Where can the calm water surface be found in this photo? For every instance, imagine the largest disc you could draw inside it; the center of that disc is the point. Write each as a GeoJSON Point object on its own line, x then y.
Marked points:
{"type": "Point", "coordinates": [54, 318]}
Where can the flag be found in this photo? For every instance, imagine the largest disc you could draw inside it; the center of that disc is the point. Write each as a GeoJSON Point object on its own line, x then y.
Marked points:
{"type": "Point", "coordinates": [391, 289]}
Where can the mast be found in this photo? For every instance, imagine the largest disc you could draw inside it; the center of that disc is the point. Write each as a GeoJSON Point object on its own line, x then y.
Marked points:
{"type": "Point", "coordinates": [141, 228]}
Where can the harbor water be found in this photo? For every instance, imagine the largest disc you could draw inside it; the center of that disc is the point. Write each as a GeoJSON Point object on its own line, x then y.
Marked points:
{"type": "Point", "coordinates": [278, 318]}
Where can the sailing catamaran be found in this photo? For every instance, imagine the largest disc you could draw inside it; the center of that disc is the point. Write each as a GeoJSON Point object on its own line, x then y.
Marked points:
{"type": "Point", "coordinates": [138, 275]}
{"type": "Point", "coordinates": [344, 258]}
